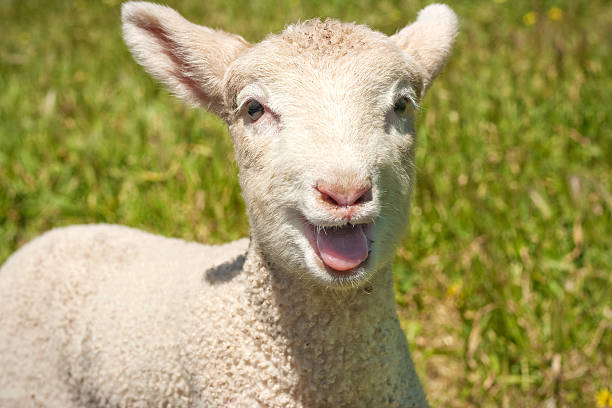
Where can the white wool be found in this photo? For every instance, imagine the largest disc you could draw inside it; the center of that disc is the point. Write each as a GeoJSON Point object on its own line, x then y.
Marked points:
{"type": "Point", "coordinates": [106, 315]}
{"type": "Point", "coordinates": [114, 316]}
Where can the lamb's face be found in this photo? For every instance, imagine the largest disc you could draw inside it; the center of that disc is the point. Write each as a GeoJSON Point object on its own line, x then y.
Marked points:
{"type": "Point", "coordinates": [324, 137]}
{"type": "Point", "coordinates": [322, 118]}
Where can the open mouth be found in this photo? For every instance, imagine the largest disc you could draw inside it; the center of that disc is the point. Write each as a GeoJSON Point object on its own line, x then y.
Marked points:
{"type": "Point", "coordinates": [341, 249]}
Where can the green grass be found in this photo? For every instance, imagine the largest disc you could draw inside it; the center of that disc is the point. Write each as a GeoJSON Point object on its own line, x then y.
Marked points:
{"type": "Point", "coordinates": [504, 279]}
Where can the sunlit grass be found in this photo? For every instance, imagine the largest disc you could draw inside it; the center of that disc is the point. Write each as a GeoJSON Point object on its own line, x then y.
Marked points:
{"type": "Point", "coordinates": [503, 283]}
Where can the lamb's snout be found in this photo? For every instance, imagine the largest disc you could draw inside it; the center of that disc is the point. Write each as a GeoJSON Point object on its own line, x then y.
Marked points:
{"type": "Point", "coordinates": [344, 245]}
{"type": "Point", "coordinates": [339, 195]}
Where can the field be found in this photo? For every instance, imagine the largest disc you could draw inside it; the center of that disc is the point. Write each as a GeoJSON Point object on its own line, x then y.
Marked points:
{"type": "Point", "coordinates": [503, 283]}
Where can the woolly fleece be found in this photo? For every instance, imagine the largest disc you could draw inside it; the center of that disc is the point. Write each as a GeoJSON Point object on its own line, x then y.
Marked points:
{"type": "Point", "coordinates": [110, 316]}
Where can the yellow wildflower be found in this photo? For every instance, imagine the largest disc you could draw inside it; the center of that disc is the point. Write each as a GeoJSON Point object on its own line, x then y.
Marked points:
{"type": "Point", "coordinates": [555, 13]}
{"type": "Point", "coordinates": [603, 398]}
{"type": "Point", "coordinates": [529, 18]}
{"type": "Point", "coordinates": [454, 290]}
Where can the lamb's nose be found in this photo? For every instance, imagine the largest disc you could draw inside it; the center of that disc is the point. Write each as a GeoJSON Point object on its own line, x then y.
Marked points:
{"type": "Point", "coordinates": [341, 196]}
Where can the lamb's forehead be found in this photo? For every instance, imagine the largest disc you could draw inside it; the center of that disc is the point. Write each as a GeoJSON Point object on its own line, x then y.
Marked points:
{"type": "Point", "coordinates": [306, 51]}
{"type": "Point", "coordinates": [327, 38]}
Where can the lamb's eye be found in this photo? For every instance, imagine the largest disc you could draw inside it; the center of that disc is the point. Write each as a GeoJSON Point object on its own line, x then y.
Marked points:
{"type": "Point", "coordinates": [255, 110]}
{"type": "Point", "coordinates": [401, 106]}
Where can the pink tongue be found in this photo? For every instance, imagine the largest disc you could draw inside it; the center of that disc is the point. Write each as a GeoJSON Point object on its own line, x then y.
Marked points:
{"type": "Point", "coordinates": [343, 248]}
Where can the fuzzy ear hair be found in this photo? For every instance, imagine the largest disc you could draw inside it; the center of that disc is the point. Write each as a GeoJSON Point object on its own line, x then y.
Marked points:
{"type": "Point", "coordinates": [189, 59]}
{"type": "Point", "coordinates": [429, 39]}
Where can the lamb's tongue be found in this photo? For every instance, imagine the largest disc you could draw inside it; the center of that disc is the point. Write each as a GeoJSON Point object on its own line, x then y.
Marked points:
{"type": "Point", "coordinates": [342, 248]}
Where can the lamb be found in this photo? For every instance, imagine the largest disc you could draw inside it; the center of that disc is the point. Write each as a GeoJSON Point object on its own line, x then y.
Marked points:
{"type": "Point", "coordinates": [302, 314]}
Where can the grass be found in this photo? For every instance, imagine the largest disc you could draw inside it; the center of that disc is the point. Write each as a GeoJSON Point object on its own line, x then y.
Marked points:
{"type": "Point", "coordinates": [504, 280]}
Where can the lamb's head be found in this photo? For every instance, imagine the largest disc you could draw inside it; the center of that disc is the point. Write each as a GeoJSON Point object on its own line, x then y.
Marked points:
{"type": "Point", "coordinates": [322, 118]}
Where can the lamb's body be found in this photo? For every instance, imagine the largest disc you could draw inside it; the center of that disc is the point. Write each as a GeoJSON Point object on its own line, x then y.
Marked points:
{"type": "Point", "coordinates": [120, 317]}
{"type": "Point", "coordinates": [322, 120]}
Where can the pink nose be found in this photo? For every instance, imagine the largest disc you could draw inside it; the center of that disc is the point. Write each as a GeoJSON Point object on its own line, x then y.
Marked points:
{"type": "Point", "coordinates": [342, 196]}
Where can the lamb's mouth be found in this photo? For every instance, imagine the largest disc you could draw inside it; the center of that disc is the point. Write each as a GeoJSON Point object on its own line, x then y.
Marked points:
{"type": "Point", "coordinates": [341, 249]}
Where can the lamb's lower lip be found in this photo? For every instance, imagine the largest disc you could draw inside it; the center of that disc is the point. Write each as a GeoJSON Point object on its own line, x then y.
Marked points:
{"type": "Point", "coordinates": [309, 229]}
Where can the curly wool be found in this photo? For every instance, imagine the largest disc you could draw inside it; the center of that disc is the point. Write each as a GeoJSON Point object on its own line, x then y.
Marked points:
{"type": "Point", "coordinates": [111, 316]}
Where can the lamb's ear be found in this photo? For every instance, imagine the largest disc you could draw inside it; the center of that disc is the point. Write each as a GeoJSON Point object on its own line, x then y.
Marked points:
{"type": "Point", "coordinates": [429, 39]}
{"type": "Point", "coordinates": [189, 59]}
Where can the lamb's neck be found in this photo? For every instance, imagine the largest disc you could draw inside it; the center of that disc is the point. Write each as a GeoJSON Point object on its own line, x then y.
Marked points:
{"type": "Point", "coordinates": [342, 345]}
{"type": "Point", "coordinates": [291, 297]}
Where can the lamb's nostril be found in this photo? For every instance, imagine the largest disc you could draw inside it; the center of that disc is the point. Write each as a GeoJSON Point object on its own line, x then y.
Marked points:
{"type": "Point", "coordinates": [344, 197]}
{"type": "Point", "coordinates": [329, 199]}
